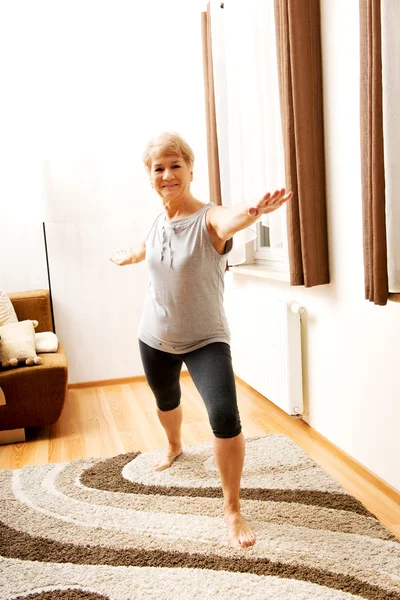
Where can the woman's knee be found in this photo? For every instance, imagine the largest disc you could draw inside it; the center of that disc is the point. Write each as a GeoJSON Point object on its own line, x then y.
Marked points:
{"type": "Point", "coordinates": [167, 405]}
{"type": "Point", "coordinates": [225, 425]}
{"type": "Point", "coordinates": [167, 400]}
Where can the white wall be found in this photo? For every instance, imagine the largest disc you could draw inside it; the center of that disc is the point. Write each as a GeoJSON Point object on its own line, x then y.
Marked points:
{"type": "Point", "coordinates": [88, 84]}
{"type": "Point", "coordinates": [22, 257]}
{"type": "Point", "coordinates": [22, 248]}
{"type": "Point", "coordinates": [350, 347]}
{"type": "Point", "coordinates": [79, 77]}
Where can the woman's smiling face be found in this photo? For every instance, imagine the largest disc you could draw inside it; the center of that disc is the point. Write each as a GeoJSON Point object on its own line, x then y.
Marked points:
{"type": "Point", "coordinates": [170, 176]}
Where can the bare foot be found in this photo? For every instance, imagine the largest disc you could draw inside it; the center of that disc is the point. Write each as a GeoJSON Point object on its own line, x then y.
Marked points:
{"type": "Point", "coordinates": [240, 534]}
{"type": "Point", "coordinates": [167, 458]}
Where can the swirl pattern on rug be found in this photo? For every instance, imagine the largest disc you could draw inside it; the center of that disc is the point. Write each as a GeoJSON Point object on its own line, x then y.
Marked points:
{"type": "Point", "coordinates": [112, 528]}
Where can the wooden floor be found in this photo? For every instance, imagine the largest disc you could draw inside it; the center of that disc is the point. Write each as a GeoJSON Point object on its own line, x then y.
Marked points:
{"type": "Point", "coordinates": [112, 419]}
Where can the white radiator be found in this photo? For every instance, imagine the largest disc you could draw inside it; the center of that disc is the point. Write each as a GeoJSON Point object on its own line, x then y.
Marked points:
{"type": "Point", "coordinates": [266, 349]}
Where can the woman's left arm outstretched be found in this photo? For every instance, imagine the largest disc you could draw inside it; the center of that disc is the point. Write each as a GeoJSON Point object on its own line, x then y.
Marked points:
{"type": "Point", "coordinates": [226, 221]}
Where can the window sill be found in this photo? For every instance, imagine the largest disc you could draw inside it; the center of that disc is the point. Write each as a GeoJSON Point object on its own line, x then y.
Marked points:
{"type": "Point", "coordinates": [264, 271]}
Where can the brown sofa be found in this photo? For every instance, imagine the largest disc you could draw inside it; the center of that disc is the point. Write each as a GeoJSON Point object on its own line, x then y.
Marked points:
{"type": "Point", "coordinates": [34, 395]}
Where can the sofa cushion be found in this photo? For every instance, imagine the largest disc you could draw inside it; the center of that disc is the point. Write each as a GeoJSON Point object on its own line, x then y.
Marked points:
{"type": "Point", "coordinates": [46, 341]}
{"type": "Point", "coordinates": [34, 304]}
{"type": "Point", "coordinates": [7, 312]}
{"type": "Point", "coordinates": [17, 344]}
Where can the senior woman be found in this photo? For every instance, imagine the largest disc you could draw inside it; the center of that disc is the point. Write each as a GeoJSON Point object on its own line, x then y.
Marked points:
{"type": "Point", "coordinates": [183, 318]}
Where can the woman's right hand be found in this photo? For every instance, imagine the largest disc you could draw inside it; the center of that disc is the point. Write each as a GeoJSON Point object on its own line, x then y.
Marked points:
{"type": "Point", "coordinates": [122, 256]}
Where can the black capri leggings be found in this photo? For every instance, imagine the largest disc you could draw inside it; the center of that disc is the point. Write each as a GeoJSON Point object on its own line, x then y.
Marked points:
{"type": "Point", "coordinates": [211, 370]}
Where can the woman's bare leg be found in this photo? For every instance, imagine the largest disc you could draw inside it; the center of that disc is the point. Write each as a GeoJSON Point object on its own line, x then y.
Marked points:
{"type": "Point", "coordinates": [229, 457]}
{"type": "Point", "coordinates": [171, 420]}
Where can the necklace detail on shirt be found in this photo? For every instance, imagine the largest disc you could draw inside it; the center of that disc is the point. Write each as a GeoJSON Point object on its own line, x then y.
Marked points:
{"type": "Point", "coordinates": [166, 242]}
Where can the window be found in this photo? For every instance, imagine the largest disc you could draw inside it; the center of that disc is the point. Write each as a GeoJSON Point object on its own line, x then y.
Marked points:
{"type": "Point", "coordinates": [263, 250]}
{"type": "Point", "coordinates": [247, 111]}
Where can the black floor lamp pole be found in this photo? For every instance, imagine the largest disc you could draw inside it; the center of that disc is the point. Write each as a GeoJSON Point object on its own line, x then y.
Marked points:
{"type": "Point", "coordinates": [48, 276]}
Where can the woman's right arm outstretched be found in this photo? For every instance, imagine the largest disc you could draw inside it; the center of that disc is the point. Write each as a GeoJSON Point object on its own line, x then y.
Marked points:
{"type": "Point", "coordinates": [129, 256]}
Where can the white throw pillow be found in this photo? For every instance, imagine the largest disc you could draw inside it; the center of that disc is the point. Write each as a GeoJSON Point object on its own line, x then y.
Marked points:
{"type": "Point", "coordinates": [46, 341]}
{"type": "Point", "coordinates": [17, 344]}
{"type": "Point", "coordinates": [7, 312]}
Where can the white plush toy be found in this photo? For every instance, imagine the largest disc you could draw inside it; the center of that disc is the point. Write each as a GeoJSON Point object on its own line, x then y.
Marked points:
{"type": "Point", "coordinates": [17, 344]}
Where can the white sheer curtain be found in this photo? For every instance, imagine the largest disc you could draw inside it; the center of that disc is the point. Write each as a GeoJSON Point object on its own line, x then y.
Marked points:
{"type": "Point", "coordinates": [248, 112]}
{"type": "Point", "coordinates": [390, 13]}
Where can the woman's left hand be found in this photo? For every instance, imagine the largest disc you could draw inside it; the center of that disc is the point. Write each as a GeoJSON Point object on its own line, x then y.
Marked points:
{"type": "Point", "coordinates": [269, 203]}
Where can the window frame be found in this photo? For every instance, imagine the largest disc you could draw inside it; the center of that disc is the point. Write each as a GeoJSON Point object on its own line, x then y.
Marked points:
{"type": "Point", "coordinates": [264, 254]}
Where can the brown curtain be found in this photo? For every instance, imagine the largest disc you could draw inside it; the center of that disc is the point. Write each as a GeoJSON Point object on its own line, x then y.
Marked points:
{"type": "Point", "coordinates": [372, 154]}
{"type": "Point", "coordinates": [212, 143]}
{"type": "Point", "coordinates": [300, 76]}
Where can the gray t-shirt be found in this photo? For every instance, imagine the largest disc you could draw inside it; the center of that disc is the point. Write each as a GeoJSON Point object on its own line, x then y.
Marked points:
{"type": "Point", "coordinates": [184, 308]}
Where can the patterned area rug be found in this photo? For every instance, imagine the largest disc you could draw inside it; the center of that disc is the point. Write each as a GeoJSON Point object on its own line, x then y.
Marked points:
{"type": "Point", "coordinates": [112, 528]}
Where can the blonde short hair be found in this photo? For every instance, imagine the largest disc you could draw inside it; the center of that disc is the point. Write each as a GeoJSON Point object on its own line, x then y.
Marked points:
{"type": "Point", "coordinates": [168, 143]}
